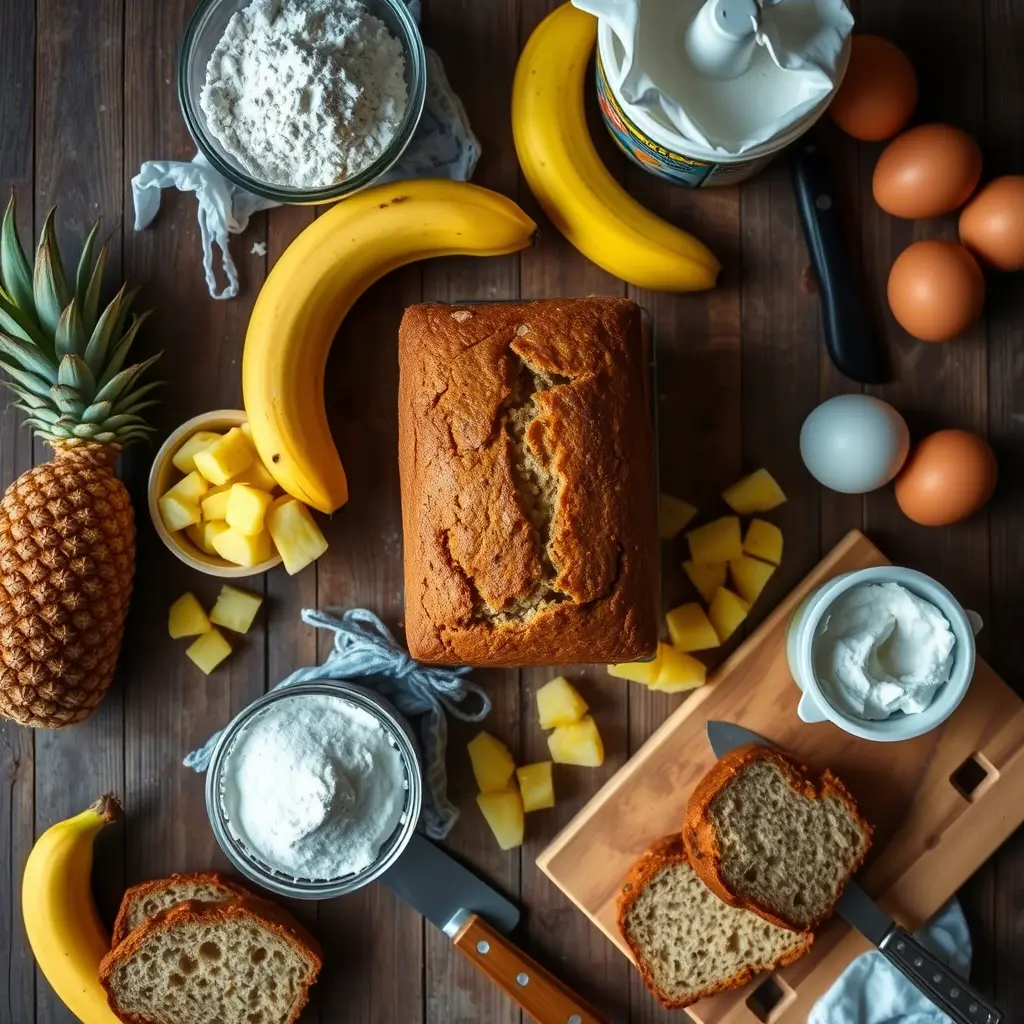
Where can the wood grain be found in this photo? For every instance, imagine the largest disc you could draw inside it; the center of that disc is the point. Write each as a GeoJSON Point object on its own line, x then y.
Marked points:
{"type": "Point", "coordinates": [928, 838]}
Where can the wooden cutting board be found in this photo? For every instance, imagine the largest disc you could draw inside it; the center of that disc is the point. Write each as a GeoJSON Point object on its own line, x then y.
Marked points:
{"type": "Point", "coordinates": [930, 837]}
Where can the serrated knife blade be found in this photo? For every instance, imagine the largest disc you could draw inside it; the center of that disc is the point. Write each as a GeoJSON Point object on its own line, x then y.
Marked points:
{"type": "Point", "coordinates": [927, 973]}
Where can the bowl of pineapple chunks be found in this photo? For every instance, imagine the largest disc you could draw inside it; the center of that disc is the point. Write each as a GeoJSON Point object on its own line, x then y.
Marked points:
{"type": "Point", "coordinates": [218, 508]}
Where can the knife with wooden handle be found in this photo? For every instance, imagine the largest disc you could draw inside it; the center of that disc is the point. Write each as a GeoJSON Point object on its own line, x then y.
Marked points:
{"type": "Point", "coordinates": [475, 917]}
{"type": "Point", "coordinates": [929, 975]}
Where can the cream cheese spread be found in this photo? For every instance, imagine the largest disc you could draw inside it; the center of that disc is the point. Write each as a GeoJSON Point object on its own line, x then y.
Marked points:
{"type": "Point", "coordinates": [881, 650]}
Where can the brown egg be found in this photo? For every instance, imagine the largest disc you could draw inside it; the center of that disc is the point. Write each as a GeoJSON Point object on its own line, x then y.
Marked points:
{"type": "Point", "coordinates": [927, 171]}
{"type": "Point", "coordinates": [936, 290]}
{"type": "Point", "coordinates": [949, 476]}
{"type": "Point", "coordinates": [992, 223]}
{"type": "Point", "coordinates": [878, 92]}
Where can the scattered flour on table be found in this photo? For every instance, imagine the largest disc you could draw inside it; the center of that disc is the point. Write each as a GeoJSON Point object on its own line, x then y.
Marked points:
{"type": "Point", "coordinates": [313, 787]}
{"type": "Point", "coordinates": [305, 92]}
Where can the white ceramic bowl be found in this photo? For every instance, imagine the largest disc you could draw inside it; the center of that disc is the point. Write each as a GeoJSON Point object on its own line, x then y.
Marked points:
{"type": "Point", "coordinates": [804, 627]}
{"type": "Point", "coordinates": [165, 474]}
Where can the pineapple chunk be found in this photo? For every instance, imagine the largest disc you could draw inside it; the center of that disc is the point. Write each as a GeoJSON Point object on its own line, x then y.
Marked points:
{"type": "Point", "coordinates": [674, 515]}
{"type": "Point", "coordinates": [210, 530]}
{"type": "Point", "coordinates": [209, 650]}
{"type": "Point", "coordinates": [536, 786]}
{"type": "Point", "coordinates": [706, 578]}
{"type": "Point", "coordinates": [726, 613]}
{"type": "Point", "coordinates": [717, 541]}
{"type": "Point", "coordinates": [185, 457]}
{"type": "Point", "coordinates": [559, 703]}
{"type": "Point", "coordinates": [579, 743]}
{"type": "Point", "coordinates": [296, 536]}
{"type": "Point", "coordinates": [226, 457]}
{"type": "Point", "coordinates": [503, 812]}
{"type": "Point", "coordinates": [241, 549]}
{"type": "Point", "coordinates": [645, 672]}
{"type": "Point", "coordinates": [177, 513]}
{"type": "Point", "coordinates": [215, 504]}
{"type": "Point", "coordinates": [678, 671]}
{"type": "Point", "coordinates": [258, 476]}
{"type": "Point", "coordinates": [187, 618]}
{"type": "Point", "coordinates": [235, 609]}
{"type": "Point", "coordinates": [190, 488]}
{"type": "Point", "coordinates": [492, 763]}
{"type": "Point", "coordinates": [197, 535]}
{"type": "Point", "coordinates": [755, 493]}
{"type": "Point", "coordinates": [750, 576]}
{"type": "Point", "coordinates": [764, 541]}
{"type": "Point", "coordinates": [246, 509]}
{"type": "Point", "coordinates": [690, 629]}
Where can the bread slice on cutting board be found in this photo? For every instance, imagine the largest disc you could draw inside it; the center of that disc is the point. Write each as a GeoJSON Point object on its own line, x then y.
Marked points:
{"type": "Point", "coordinates": [142, 901]}
{"type": "Point", "coordinates": [239, 961]}
{"type": "Point", "coordinates": [686, 942]}
{"type": "Point", "coordinates": [765, 834]}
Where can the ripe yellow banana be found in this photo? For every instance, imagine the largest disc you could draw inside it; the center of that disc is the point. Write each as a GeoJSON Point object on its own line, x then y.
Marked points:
{"type": "Point", "coordinates": [571, 183]}
{"type": "Point", "coordinates": [313, 286]}
{"type": "Point", "coordinates": [64, 930]}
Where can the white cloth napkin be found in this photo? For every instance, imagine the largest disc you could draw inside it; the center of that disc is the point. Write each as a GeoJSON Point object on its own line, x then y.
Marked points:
{"type": "Point", "coordinates": [795, 66]}
{"type": "Point", "coordinates": [444, 146]}
{"type": "Point", "coordinates": [869, 991]}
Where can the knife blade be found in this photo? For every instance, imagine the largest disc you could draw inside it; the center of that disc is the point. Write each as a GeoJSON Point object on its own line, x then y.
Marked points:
{"type": "Point", "coordinates": [475, 917]}
{"type": "Point", "coordinates": [950, 993]}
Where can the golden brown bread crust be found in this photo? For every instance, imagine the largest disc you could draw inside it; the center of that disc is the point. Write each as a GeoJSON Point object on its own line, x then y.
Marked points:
{"type": "Point", "coordinates": [564, 381]}
{"type": "Point", "coordinates": [699, 830]}
{"type": "Point", "coordinates": [666, 852]}
{"type": "Point", "coordinates": [274, 918]}
{"type": "Point", "coordinates": [143, 889]}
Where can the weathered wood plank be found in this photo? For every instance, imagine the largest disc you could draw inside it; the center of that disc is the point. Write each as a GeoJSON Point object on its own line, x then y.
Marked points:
{"type": "Point", "coordinates": [17, 744]}
{"type": "Point", "coordinates": [79, 160]}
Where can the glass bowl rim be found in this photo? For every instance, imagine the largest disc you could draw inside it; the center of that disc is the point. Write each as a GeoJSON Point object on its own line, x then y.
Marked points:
{"type": "Point", "coordinates": [417, 61]}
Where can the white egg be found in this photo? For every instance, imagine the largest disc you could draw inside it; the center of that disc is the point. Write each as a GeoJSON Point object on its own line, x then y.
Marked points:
{"type": "Point", "coordinates": [854, 443]}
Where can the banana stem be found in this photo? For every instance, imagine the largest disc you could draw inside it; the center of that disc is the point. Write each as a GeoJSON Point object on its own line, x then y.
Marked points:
{"type": "Point", "coordinates": [108, 807]}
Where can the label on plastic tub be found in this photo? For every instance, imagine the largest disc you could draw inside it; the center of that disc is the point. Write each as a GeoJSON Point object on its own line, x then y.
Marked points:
{"type": "Point", "coordinates": [659, 160]}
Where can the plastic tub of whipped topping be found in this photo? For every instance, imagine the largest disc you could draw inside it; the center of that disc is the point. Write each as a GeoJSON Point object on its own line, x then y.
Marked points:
{"type": "Point", "coordinates": [809, 626]}
{"type": "Point", "coordinates": [315, 789]}
{"type": "Point", "coordinates": [649, 139]}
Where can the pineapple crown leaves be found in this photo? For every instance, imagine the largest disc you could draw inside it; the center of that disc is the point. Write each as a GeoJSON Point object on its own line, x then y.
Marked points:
{"type": "Point", "coordinates": [65, 357]}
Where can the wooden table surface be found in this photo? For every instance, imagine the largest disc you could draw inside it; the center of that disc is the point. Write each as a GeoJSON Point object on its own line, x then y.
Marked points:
{"type": "Point", "coordinates": [87, 92]}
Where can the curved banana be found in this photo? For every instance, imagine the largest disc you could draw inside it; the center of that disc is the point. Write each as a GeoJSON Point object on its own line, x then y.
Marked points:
{"type": "Point", "coordinates": [571, 183]}
{"type": "Point", "coordinates": [64, 930]}
{"type": "Point", "coordinates": [314, 285]}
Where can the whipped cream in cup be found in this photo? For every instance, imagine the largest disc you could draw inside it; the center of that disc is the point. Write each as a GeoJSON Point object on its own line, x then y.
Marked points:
{"type": "Point", "coordinates": [885, 654]}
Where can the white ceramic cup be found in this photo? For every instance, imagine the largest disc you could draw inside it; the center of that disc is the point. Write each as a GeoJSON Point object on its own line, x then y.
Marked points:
{"type": "Point", "coordinates": [804, 628]}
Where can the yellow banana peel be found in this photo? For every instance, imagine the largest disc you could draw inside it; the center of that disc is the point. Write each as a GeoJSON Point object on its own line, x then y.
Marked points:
{"type": "Point", "coordinates": [312, 288]}
{"type": "Point", "coordinates": [64, 930]}
{"type": "Point", "coordinates": [573, 186]}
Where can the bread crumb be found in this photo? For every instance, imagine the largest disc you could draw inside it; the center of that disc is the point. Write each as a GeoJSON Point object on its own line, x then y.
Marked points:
{"type": "Point", "coordinates": [259, 249]}
{"type": "Point", "coordinates": [521, 330]}
{"type": "Point", "coordinates": [461, 315]}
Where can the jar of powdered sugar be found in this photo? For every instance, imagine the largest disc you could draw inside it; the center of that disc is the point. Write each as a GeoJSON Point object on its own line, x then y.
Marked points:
{"type": "Point", "coordinates": [302, 101]}
{"type": "Point", "coordinates": [315, 789]}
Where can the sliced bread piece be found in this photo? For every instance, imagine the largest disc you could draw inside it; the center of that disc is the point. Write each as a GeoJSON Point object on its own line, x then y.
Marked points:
{"type": "Point", "coordinates": [764, 834]}
{"type": "Point", "coordinates": [240, 961]}
{"type": "Point", "coordinates": [142, 901]}
{"type": "Point", "coordinates": [686, 942]}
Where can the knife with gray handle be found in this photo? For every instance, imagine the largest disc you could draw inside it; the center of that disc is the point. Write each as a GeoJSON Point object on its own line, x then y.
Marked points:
{"type": "Point", "coordinates": [949, 992]}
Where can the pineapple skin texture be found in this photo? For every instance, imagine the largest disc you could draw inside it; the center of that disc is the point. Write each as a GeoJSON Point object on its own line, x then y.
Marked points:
{"type": "Point", "coordinates": [67, 560]}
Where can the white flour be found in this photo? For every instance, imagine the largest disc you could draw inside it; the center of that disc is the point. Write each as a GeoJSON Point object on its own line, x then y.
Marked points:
{"type": "Point", "coordinates": [313, 787]}
{"type": "Point", "coordinates": [305, 92]}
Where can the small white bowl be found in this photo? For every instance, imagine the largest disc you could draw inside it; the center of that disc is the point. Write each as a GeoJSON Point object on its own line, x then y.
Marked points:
{"type": "Point", "coordinates": [803, 630]}
{"type": "Point", "coordinates": [165, 474]}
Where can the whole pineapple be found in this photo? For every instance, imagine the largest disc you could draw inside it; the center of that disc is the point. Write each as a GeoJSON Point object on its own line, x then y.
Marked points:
{"type": "Point", "coordinates": [67, 534]}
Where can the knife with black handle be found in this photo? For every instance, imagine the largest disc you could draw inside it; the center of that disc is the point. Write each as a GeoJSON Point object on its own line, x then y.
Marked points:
{"type": "Point", "coordinates": [851, 341]}
{"type": "Point", "coordinates": [949, 992]}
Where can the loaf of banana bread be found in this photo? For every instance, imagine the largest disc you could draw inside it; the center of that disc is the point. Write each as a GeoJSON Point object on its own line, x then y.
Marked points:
{"type": "Point", "coordinates": [529, 500]}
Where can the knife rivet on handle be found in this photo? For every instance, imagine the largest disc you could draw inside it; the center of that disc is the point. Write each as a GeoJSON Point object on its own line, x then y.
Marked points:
{"type": "Point", "coordinates": [522, 979]}
{"type": "Point", "coordinates": [575, 1019]}
{"type": "Point", "coordinates": [483, 947]}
